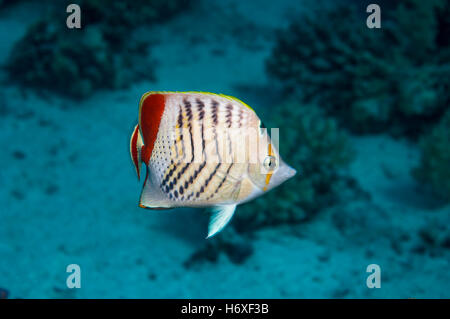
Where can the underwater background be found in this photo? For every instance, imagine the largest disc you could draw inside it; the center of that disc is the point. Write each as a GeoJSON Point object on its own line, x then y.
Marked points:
{"type": "Point", "coordinates": [364, 117]}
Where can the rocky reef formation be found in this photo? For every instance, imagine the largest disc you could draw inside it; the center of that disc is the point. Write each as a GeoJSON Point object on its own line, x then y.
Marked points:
{"type": "Point", "coordinates": [237, 249]}
{"type": "Point", "coordinates": [394, 78]}
{"type": "Point", "coordinates": [434, 168]}
{"type": "Point", "coordinates": [103, 54]}
{"type": "Point", "coordinates": [319, 150]}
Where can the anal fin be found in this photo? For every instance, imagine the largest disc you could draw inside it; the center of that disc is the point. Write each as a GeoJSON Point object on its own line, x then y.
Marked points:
{"type": "Point", "coordinates": [219, 219]}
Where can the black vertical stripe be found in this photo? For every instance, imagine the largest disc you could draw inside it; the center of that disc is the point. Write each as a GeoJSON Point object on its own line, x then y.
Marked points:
{"type": "Point", "coordinates": [211, 175]}
{"type": "Point", "coordinates": [241, 116]}
{"type": "Point", "coordinates": [214, 112]}
{"type": "Point", "coordinates": [214, 116]}
{"type": "Point", "coordinates": [201, 109]}
{"type": "Point", "coordinates": [189, 114]}
{"type": "Point", "coordinates": [188, 107]}
{"type": "Point", "coordinates": [180, 124]}
{"type": "Point", "coordinates": [229, 108]}
{"type": "Point", "coordinates": [208, 180]}
{"type": "Point", "coordinates": [178, 131]}
{"type": "Point", "coordinates": [224, 178]}
{"type": "Point", "coordinates": [201, 114]}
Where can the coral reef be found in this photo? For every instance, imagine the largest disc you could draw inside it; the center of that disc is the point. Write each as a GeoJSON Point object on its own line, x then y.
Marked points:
{"type": "Point", "coordinates": [394, 78]}
{"type": "Point", "coordinates": [434, 168]}
{"type": "Point", "coordinates": [313, 144]}
{"type": "Point", "coordinates": [103, 54]}
{"type": "Point", "coordinates": [117, 18]}
{"type": "Point", "coordinates": [6, 3]}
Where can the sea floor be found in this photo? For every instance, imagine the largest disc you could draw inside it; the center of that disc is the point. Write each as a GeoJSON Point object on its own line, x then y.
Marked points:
{"type": "Point", "coordinates": [69, 192]}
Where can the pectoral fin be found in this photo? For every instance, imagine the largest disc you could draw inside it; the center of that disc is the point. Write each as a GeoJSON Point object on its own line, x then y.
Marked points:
{"type": "Point", "coordinates": [219, 219]}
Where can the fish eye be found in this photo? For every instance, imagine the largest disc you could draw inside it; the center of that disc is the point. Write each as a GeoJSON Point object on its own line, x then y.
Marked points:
{"type": "Point", "coordinates": [270, 163]}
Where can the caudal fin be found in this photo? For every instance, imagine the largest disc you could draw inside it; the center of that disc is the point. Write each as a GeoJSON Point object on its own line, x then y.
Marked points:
{"type": "Point", "coordinates": [136, 144]}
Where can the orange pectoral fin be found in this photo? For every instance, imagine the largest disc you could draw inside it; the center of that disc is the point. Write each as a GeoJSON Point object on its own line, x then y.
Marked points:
{"type": "Point", "coordinates": [136, 145]}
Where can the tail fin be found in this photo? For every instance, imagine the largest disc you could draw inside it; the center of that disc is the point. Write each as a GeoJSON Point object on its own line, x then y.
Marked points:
{"type": "Point", "coordinates": [135, 150]}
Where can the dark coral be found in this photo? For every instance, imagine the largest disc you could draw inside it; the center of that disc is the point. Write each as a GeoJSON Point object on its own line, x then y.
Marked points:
{"type": "Point", "coordinates": [434, 168]}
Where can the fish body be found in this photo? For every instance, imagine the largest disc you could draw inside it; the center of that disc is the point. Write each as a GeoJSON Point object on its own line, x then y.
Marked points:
{"type": "Point", "coordinates": [203, 150]}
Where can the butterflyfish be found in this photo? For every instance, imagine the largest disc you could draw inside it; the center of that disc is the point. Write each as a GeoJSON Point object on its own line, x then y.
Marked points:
{"type": "Point", "coordinates": [203, 150]}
